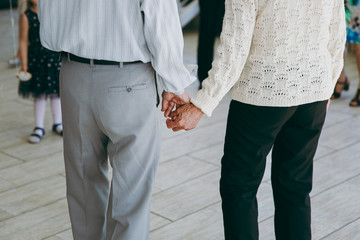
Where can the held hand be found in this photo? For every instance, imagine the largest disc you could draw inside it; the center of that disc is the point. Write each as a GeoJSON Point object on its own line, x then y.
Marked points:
{"type": "Point", "coordinates": [170, 100]}
{"type": "Point", "coordinates": [23, 76]}
{"type": "Point", "coordinates": [185, 118]}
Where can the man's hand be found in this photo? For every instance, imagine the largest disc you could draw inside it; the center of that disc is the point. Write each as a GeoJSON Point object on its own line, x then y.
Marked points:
{"type": "Point", "coordinates": [170, 100]}
{"type": "Point", "coordinates": [185, 118]}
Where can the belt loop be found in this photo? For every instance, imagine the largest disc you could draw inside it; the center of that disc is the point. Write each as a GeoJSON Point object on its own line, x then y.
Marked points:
{"type": "Point", "coordinates": [92, 63]}
{"type": "Point", "coordinates": [68, 57]}
{"type": "Point", "coordinates": [121, 64]}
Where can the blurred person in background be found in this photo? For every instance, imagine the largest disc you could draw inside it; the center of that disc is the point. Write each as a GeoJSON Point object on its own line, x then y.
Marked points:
{"type": "Point", "coordinates": [44, 67]}
{"type": "Point", "coordinates": [352, 9]}
{"type": "Point", "coordinates": [211, 18]}
{"type": "Point", "coordinates": [22, 7]}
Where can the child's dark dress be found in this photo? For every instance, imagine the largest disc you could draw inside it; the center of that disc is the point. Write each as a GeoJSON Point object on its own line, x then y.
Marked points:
{"type": "Point", "coordinates": [43, 64]}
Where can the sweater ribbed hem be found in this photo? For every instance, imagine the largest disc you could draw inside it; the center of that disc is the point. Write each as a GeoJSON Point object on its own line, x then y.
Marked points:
{"type": "Point", "coordinates": [316, 97]}
{"type": "Point", "coordinates": [206, 103]}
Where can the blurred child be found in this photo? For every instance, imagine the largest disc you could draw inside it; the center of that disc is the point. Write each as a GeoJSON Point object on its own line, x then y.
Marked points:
{"type": "Point", "coordinates": [352, 9]}
{"type": "Point", "coordinates": [44, 66]}
{"type": "Point", "coordinates": [22, 7]}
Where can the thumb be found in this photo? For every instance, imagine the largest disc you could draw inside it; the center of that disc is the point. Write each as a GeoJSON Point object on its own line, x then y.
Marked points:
{"type": "Point", "coordinates": [164, 104]}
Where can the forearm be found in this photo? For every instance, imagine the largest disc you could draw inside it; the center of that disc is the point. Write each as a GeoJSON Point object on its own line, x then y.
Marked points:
{"type": "Point", "coordinates": [23, 49]}
{"type": "Point", "coordinates": [163, 34]}
{"type": "Point", "coordinates": [23, 41]}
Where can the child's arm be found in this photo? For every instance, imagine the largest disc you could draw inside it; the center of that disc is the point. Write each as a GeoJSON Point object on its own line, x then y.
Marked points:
{"type": "Point", "coordinates": [24, 41]}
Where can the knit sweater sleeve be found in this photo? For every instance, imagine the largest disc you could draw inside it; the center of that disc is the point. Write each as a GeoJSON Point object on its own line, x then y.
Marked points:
{"type": "Point", "coordinates": [232, 53]}
{"type": "Point", "coordinates": [337, 39]}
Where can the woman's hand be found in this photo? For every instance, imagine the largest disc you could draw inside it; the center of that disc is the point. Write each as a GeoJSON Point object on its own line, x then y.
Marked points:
{"type": "Point", "coordinates": [185, 118]}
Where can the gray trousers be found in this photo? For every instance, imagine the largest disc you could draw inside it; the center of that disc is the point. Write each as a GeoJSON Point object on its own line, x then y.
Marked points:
{"type": "Point", "coordinates": [109, 115]}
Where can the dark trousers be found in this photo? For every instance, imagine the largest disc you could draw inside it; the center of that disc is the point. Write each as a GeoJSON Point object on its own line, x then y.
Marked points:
{"type": "Point", "coordinates": [211, 18]}
{"type": "Point", "coordinates": [293, 133]}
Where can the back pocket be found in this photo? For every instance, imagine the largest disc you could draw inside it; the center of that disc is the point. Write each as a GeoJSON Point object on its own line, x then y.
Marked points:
{"type": "Point", "coordinates": [128, 89]}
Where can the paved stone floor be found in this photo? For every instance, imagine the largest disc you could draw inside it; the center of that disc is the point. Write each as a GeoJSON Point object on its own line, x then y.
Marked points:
{"type": "Point", "coordinates": [186, 201]}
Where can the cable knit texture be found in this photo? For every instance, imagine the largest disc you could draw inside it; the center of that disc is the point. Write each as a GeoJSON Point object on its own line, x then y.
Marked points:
{"type": "Point", "coordinates": [276, 53]}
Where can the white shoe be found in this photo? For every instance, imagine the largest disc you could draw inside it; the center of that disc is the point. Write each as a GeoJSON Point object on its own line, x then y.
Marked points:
{"type": "Point", "coordinates": [36, 135]}
{"type": "Point", "coordinates": [14, 62]}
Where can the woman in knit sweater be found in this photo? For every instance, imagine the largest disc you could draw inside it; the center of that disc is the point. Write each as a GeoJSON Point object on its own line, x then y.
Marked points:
{"type": "Point", "coordinates": [281, 60]}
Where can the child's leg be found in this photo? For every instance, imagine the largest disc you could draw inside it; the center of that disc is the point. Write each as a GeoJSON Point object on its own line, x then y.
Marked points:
{"type": "Point", "coordinates": [39, 113]}
{"type": "Point", "coordinates": [56, 113]}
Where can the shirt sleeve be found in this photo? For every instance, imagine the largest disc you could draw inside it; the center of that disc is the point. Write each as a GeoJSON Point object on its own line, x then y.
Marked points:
{"type": "Point", "coordinates": [232, 53]}
{"type": "Point", "coordinates": [337, 39]}
{"type": "Point", "coordinates": [164, 38]}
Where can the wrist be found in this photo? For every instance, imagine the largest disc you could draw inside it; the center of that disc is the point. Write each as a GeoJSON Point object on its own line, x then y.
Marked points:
{"type": "Point", "coordinates": [197, 109]}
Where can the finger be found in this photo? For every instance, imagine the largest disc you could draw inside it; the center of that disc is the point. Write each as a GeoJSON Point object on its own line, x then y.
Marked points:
{"type": "Point", "coordinates": [173, 118]}
{"type": "Point", "coordinates": [164, 104]}
{"type": "Point", "coordinates": [169, 109]}
{"type": "Point", "coordinates": [171, 124]}
{"type": "Point", "coordinates": [176, 129]}
{"type": "Point", "coordinates": [174, 113]}
{"type": "Point", "coordinates": [178, 101]}
{"type": "Point", "coordinates": [179, 126]}
{"type": "Point", "coordinates": [178, 111]}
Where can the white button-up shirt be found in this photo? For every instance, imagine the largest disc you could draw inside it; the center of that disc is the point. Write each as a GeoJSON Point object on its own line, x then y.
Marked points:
{"type": "Point", "coordinates": [119, 30]}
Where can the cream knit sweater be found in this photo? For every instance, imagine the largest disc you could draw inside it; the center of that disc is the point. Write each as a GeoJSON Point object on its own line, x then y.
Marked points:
{"type": "Point", "coordinates": [276, 53]}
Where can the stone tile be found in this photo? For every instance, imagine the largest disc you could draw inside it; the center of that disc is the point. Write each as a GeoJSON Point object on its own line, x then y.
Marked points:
{"type": "Point", "coordinates": [336, 168]}
{"type": "Point", "coordinates": [323, 151]}
{"type": "Point", "coordinates": [342, 105]}
{"type": "Point", "coordinates": [204, 224]}
{"type": "Point", "coordinates": [267, 232]}
{"type": "Point", "coordinates": [65, 235]}
{"type": "Point", "coordinates": [28, 172]}
{"type": "Point", "coordinates": [267, 174]}
{"type": "Point", "coordinates": [192, 141]}
{"type": "Point", "coordinates": [50, 144]}
{"type": "Point", "coordinates": [337, 207]}
{"type": "Point", "coordinates": [157, 222]}
{"type": "Point", "coordinates": [211, 154]}
{"type": "Point", "coordinates": [156, 190]}
{"type": "Point", "coordinates": [319, 229]}
{"type": "Point", "coordinates": [38, 223]}
{"type": "Point", "coordinates": [266, 229]}
{"type": "Point", "coordinates": [335, 117]}
{"type": "Point", "coordinates": [180, 170]}
{"type": "Point", "coordinates": [187, 198]}
{"type": "Point", "coordinates": [4, 215]}
{"type": "Point", "coordinates": [17, 138]}
{"type": "Point", "coordinates": [265, 201]}
{"type": "Point", "coordinates": [351, 231]}
{"type": "Point", "coordinates": [31, 196]}
{"type": "Point", "coordinates": [341, 135]}
{"type": "Point", "coordinates": [4, 184]}
{"type": "Point", "coordinates": [7, 161]}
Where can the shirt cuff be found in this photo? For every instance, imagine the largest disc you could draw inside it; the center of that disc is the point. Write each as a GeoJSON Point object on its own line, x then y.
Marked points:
{"type": "Point", "coordinates": [176, 88]}
{"type": "Point", "coordinates": [206, 103]}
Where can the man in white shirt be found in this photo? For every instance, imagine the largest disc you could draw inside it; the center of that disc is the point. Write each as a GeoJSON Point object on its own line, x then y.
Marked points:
{"type": "Point", "coordinates": [112, 51]}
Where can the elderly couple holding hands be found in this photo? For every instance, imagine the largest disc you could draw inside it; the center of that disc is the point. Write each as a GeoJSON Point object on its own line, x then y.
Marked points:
{"type": "Point", "coordinates": [280, 60]}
